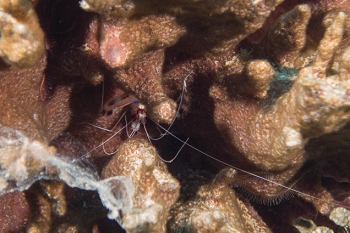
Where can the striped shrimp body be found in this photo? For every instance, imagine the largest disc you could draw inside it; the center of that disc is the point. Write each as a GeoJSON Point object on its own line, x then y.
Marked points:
{"type": "Point", "coordinates": [138, 111]}
{"type": "Point", "coordinates": [140, 118]}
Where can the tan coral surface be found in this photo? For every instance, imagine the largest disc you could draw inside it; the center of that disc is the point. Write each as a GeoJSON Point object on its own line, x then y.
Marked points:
{"type": "Point", "coordinates": [22, 39]}
{"type": "Point", "coordinates": [216, 208]}
{"type": "Point", "coordinates": [261, 86]}
{"type": "Point", "coordinates": [155, 189]}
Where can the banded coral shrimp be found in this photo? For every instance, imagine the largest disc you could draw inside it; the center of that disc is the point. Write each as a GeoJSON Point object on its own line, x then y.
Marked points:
{"type": "Point", "coordinates": [131, 103]}
{"type": "Point", "coordinates": [132, 126]}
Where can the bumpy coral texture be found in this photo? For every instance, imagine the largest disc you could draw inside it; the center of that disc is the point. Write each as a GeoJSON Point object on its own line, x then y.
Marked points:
{"type": "Point", "coordinates": [155, 189]}
{"type": "Point", "coordinates": [22, 39]}
{"type": "Point", "coordinates": [214, 208]}
{"type": "Point", "coordinates": [267, 91]}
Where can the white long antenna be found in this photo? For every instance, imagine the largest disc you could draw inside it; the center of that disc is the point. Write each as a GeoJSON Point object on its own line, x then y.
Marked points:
{"type": "Point", "coordinates": [246, 172]}
{"type": "Point", "coordinates": [178, 109]}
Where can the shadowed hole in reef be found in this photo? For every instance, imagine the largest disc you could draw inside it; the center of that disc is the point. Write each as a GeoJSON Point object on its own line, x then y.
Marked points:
{"type": "Point", "coordinates": [339, 190]}
{"type": "Point", "coordinates": [305, 223]}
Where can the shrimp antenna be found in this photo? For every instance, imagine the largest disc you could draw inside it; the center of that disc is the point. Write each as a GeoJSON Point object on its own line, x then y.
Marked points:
{"type": "Point", "coordinates": [102, 144]}
{"type": "Point", "coordinates": [102, 97]}
{"type": "Point", "coordinates": [101, 128]}
{"type": "Point", "coordinates": [178, 152]}
{"type": "Point", "coordinates": [247, 172]}
{"type": "Point", "coordinates": [178, 108]}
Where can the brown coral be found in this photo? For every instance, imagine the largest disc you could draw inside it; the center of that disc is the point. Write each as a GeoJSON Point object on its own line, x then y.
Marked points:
{"type": "Point", "coordinates": [266, 81]}
{"type": "Point", "coordinates": [155, 189]}
{"type": "Point", "coordinates": [306, 111]}
{"type": "Point", "coordinates": [216, 208]}
{"type": "Point", "coordinates": [22, 40]}
{"type": "Point", "coordinates": [290, 32]}
{"type": "Point", "coordinates": [15, 213]}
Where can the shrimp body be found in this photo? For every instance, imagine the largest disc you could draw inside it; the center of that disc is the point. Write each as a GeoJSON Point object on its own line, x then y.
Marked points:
{"type": "Point", "coordinates": [140, 118]}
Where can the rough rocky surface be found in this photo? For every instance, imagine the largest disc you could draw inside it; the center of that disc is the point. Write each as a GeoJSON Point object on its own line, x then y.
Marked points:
{"type": "Point", "coordinates": [216, 208]}
{"type": "Point", "coordinates": [22, 39]}
{"type": "Point", "coordinates": [265, 90]}
{"type": "Point", "coordinates": [155, 189]}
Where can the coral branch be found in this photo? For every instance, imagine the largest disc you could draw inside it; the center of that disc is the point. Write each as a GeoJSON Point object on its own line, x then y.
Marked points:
{"type": "Point", "coordinates": [144, 79]}
{"type": "Point", "coordinates": [121, 42]}
{"type": "Point", "coordinates": [287, 36]}
{"type": "Point", "coordinates": [216, 208]}
{"type": "Point", "coordinates": [330, 41]}
{"type": "Point", "coordinates": [22, 40]}
{"type": "Point", "coordinates": [259, 74]}
{"type": "Point", "coordinates": [275, 137]}
{"type": "Point", "coordinates": [155, 189]}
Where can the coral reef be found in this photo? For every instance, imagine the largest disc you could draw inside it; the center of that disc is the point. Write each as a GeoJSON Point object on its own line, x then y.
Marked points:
{"type": "Point", "coordinates": [265, 86]}
{"type": "Point", "coordinates": [313, 106]}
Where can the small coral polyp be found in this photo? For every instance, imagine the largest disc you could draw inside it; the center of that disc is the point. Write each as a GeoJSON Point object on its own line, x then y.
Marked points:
{"type": "Point", "coordinates": [266, 104]}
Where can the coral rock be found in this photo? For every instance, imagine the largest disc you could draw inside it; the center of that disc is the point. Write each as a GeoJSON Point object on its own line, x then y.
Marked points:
{"type": "Point", "coordinates": [307, 110]}
{"type": "Point", "coordinates": [22, 40]}
{"type": "Point", "coordinates": [216, 208]}
{"type": "Point", "coordinates": [144, 79]}
{"type": "Point", "coordinates": [259, 74]}
{"type": "Point", "coordinates": [287, 37]}
{"type": "Point", "coordinates": [155, 189]}
{"type": "Point", "coordinates": [267, 90]}
{"type": "Point", "coordinates": [121, 42]}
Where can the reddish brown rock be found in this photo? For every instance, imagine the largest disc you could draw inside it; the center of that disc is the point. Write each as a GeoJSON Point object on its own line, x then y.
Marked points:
{"type": "Point", "coordinates": [273, 101]}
